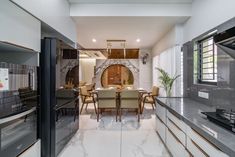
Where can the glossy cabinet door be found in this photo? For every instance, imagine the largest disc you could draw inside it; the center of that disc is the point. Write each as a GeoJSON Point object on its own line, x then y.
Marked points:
{"type": "Point", "coordinates": [204, 144]}
{"type": "Point", "coordinates": [177, 131]}
{"type": "Point", "coordinates": [19, 27]}
{"type": "Point", "coordinates": [175, 146]}
{"type": "Point", "coordinates": [194, 149]}
{"type": "Point", "coordinates": [161, 112]}
{"type": "Point", "coordinates": [161, 129]}
{"type": "Point", "coordinates": [179, 123]}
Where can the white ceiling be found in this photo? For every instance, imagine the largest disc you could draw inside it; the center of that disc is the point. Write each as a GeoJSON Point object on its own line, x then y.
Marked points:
{"type": "Point", "coordinates": [128, 1]}
{"type": "Point", "coordinates": [148, 29]}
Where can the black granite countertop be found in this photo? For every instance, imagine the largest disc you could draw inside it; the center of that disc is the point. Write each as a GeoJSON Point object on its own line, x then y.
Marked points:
{"type": "Point", "coordinates": [189, 111]}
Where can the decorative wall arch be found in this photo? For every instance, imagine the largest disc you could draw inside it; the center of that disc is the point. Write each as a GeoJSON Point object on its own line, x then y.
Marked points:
{"type": "Point", "coordinates": [132, 65]}
{"type": "Point", "coordinates": [66, 65]}
{"type": "Point", "coordinates": [117, 74]}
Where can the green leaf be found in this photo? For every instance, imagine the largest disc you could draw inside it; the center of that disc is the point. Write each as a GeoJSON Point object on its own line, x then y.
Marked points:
{"type": "Point", "coordinates": [166, 81]}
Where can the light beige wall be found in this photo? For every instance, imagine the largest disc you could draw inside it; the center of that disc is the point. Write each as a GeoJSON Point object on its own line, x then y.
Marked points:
{"type": "Point", "coordinates": [87, 69]}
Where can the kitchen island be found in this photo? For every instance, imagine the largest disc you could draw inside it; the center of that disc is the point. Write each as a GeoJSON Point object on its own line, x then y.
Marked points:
{"type": "Point", "coordinates": [186, 131]}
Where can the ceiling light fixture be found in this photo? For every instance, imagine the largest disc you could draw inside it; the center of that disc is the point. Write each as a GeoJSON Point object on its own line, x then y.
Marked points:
{"type": "Point", "coordinates": [138, 40]}
{"type": "Point", "coordinates": [109, 46]}
{"type": "Point", "coordinates": [93, 40]}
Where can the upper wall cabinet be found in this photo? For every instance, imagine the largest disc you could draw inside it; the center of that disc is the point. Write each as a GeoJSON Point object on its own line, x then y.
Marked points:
{"type": "Point", "coordinates": [19, 27]}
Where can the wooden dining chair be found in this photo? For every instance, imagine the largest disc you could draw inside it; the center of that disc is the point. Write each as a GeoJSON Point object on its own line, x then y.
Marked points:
{"type": "Point", "coordinates": [129, 99]}
{"type": "Point", "coordinates": [150, 97]}
{"type": "Point", "coordinates": [106, 100]}
{"type": "Point", "coordinates": [90, 87]}
{"type": "Point", "coordinates": [87, 98]}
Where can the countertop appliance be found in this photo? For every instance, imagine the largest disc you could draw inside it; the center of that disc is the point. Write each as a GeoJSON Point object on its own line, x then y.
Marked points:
{"type": "Point", "coordinates": [226, 41]}
{"type": "Point", "coordinates": [18, 108]}
{"type": "Point", "coordinates": [223, 118]}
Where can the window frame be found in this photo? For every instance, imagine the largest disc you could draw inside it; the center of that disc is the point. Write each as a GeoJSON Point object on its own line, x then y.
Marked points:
{"type": "Point", "coordinates": [200, 48]}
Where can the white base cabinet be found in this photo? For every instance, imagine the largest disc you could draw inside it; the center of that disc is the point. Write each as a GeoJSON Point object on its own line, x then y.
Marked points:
{"type": "Point", "coordinates": [194, 149]}
{"type": "Point", "coordinates": [161, 112]}
{"type": "Point", "coordinates": [180, 139]}
{"type": "Point", "coordinates": [181, 136]}
{"type": "Point", "coordinates": [161, 129]}
{"type": "Point", "coordinates": [174, 145]}
{"type": "Point", "coordinates": [204, 144]}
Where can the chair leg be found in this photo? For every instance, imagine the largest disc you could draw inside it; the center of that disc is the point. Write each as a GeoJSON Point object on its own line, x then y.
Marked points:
{"type": "Point", "coordinates": [116, 114]}
{"type": "Point", "coordinates": [86, 107]}
{"type": "Point", "coordinates": [152, 106]}
{"type": "Point", "coordinates": [95, 108]}
{"type": "Point", "coordinates": [138, 115]}
{"type": "Point", "coordinates": [98, 115]}
{"type": "Point", "coordinates": [142, 110]}
{"type": "Point", "coordinates": [82, 107]}
{"type": "Point", "coordinates": [120, 114]}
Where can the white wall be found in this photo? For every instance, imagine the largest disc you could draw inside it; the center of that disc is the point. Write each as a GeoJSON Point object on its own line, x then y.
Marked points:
{"type": "Point", "coordinates": [55, 13]}
{"type": "Point", "coordinates": [145, 71]}
{"type": "Point", "coordinates": [183, 9]}
{"type": "Point", "coordinates": [87, 69]}
{"type": "Point", "coordinates": [207, 14]}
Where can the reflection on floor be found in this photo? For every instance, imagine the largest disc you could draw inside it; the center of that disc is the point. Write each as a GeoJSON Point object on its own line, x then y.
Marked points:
{"type": "Point", "coordinates": [108, 138]}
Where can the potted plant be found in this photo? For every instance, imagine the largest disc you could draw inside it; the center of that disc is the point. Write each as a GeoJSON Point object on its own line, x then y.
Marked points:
{"type": "Point", "coordinates": [167, 81]}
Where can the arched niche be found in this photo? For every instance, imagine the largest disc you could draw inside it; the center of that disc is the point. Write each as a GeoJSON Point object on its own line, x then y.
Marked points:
{"type": "Point", "coordinates": [73, 75]}
{"type": "Point", "coordinates": [117, 75]}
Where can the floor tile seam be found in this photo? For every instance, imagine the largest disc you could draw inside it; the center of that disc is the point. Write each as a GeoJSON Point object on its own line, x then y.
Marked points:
{"type": "Point", "coordinates": [121, 141]}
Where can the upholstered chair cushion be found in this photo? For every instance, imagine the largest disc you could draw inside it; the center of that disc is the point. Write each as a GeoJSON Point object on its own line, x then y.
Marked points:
{"type": "Point", "coordinates": [129, 99]}
{"type": "Point", "coordinates": [106, 98]}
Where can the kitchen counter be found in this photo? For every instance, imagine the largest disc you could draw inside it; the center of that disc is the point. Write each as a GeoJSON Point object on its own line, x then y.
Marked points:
{"type": "Point", "coordinates": [189, 111]}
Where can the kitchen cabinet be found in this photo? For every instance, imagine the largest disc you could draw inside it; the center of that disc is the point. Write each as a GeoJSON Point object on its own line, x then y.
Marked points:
{"type": "Point", "coordinates": [19, 27]}
{"type": "Point", "coordinates": [180, 135]}
{"type": "Point", "coordinates": [180, 139]}
{"type": "Point", "coordinates": [161, 112]}
{"type": "Point", "coordinates": [161, 129]}
{"type": "Point", "coordinates": [203, 144]}
{"type": "Point", "coordinates": [174, 145]}
{"type": "Point", "coordinates": [179, 123]}
{"type": "Point", "coordinates": [194, 149]}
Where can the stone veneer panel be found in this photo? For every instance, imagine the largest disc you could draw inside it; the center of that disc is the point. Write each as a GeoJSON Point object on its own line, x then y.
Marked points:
{"type": "Point", "coordinates": [102, 64]}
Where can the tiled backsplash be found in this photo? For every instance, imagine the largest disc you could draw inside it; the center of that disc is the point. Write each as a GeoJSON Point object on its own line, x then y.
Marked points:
{"type": "Point", "coordinates": [220, 95]}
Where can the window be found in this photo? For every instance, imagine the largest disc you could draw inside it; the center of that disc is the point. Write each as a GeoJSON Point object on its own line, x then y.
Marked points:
{"type": "Point", "coordinates": [205, 61]}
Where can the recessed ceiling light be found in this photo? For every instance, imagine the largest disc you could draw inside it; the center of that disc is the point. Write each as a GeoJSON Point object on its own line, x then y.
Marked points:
{"type": "Point", "coordinates": [138, 40]}
{"type": "Point", "coordinates": [93, 40]}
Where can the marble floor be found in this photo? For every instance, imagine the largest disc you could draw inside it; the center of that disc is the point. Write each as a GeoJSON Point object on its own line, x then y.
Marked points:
{"type": "Point", "coordinates": [108, 138]}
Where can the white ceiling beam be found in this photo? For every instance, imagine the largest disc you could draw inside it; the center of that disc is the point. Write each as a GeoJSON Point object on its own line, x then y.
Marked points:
{"type": "Point", "coordinates": [130, 10]}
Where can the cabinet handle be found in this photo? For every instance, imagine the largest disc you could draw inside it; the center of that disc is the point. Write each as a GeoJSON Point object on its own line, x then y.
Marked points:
{"type": "Point", "coordinates": [198, 147]}
{"type": "Point", "coordinates": [8, 119]}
